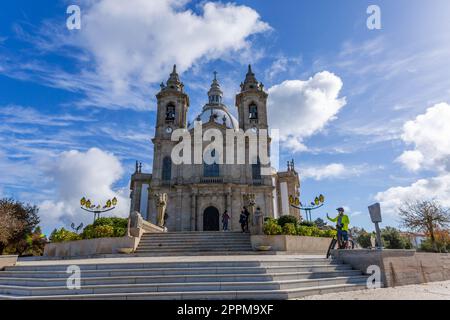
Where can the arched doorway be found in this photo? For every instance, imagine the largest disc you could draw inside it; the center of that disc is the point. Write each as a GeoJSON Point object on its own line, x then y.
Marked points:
{"type": "Point", "coordinates": [211, 219]}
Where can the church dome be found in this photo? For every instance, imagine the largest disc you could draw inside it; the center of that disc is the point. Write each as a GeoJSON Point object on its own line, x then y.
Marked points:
{"type": "Point", "coordinates": [215, 110]}
{"type": "Point", "coordinates": [218, 114]}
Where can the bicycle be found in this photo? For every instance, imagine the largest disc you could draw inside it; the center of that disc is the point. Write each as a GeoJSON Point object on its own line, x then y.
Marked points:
{"type": "Point", "coordinates": [343, 245]}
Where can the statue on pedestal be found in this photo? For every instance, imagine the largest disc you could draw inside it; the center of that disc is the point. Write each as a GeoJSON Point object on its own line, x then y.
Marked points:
{"type": "Point", "coordinates": [161, 205]}
{"type": "Point", "coordinates": [249, 198]}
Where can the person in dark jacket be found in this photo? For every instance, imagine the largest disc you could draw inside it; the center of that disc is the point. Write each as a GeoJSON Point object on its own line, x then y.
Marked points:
{"type": "Point", "coordinates": [242, 220]}
{"type": "Point", "coordinates": [225, 219]}
{"type": "Point", "coordinates": [247, 218]}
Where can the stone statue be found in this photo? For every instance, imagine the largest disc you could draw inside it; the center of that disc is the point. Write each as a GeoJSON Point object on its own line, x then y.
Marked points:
{"type": "Point", "coordinates": [249, 199]}
{"type": "Point", "coordinates": [161, 205]}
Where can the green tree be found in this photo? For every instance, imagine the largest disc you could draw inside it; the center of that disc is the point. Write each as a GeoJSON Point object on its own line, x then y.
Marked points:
{"type": "Point", "coordinates": [18, 221]}
{"type": "Point", "coordinates": [425, 216]}
{"type": "Point", "coordinates": [320, 223]}
{"type": "Point", "coordinates": [363, 239]}
{"type": "Point", "coordinates": [392, 239]}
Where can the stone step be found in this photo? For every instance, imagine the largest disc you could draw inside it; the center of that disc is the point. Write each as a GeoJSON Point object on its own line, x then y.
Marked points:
{"type": "Point", "coordinates": [177, 265]}
{"type": "Point", "coordinates": [193, 245]}
{"type": "Point", "coordinates": [44, 281]}
{"type": "Point", "coordinates": [225, 240]}
{"type": "Point", "coordinates": [180, 287]}
{"type": "Point", "coordinates": [176, 271]}
{"type": "Point", "coordinates": [182, 249]}
{"type": "Point", "coordinates": [202, 295]}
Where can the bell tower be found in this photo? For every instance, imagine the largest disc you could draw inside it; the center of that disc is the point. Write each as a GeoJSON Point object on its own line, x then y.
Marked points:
{"type": "Point", "coordinates": [252, 103]}
{"type": "Point", "coordinates": [173, 104]}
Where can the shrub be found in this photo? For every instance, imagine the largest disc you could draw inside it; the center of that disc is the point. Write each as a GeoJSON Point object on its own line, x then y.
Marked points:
{"type": "Point", "coordinates": [307, 223]}
{"type": "Point", "coordinates": [287, 219]}
{"type": "Point", "coordinates": [106, 228]}
{"type": "Point", "coordinates": [289, 229]}
{"type": "Point", "coordinates": [63, 235]}
{"type": "Point", "coordinates": [94, 232]}
{"type": "Point", "coordinates": [272, 228]}
{"type": "Point", "coordinates": [329, 233]}
{"type": "Point", "coordinates": [304, 231]}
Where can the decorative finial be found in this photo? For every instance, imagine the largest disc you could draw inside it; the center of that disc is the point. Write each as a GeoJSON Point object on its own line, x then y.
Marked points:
{"type": "Point", "coordinates": [249, 68]}
{"type": "Point", "coordinates": [136, 169]}
{"type": "Point", "coordinates": [174, 68]}
{"type": "Point", "coordinates": [215, 75]}
{"type": "Point", "coordinates": [140, 167]}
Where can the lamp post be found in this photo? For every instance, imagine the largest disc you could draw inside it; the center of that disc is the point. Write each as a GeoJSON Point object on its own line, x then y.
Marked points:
{"type": "Point", "coordinates": [87, 205]}
{"type": "Point", "coordinates": [316, 204]}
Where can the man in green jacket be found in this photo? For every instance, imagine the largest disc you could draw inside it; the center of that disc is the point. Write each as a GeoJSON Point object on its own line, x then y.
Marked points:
{"type": "Point", "coordinates": [342, 222]}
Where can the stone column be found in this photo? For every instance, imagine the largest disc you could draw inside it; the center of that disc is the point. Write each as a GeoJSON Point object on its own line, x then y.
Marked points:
{"type": "Point", "coordinates": [193, 211]}
{"type": "Point", "coordinates": [229, 208]}
{"type": "Point", "coordinates": [136, 197]}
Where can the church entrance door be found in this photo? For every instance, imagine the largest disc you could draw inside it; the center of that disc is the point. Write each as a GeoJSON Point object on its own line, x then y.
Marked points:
{"type": "Point", "coordinates": [211, 219]}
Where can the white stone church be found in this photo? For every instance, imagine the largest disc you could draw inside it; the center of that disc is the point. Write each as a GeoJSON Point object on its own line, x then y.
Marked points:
{"type": "Point", "coordinates": [198, 194]}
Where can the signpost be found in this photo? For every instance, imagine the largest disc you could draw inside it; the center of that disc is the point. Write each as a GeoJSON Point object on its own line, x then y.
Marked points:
{"type": "Point", "coordinates": [375, 216]}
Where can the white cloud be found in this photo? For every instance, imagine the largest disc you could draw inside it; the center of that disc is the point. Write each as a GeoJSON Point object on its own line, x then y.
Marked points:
{"type": "Point", "coordinates": [126, 48]}
{"type": "Point", "coordinates": [76, 174]}
{"type": "Point", "coordinates": [281, 65]}
{"type": "Point", "coordinates": [299, 109]}
{"type": "Point", "coordinates": [430, 135]}
{"type": "Point", "coordinates": [330, 171]}
{"type": "Point", "coordinates": [424, 189]}
{"type": "Point", "coordinates": [140, 39]}
{"type": "Point", "coordinates": [411, 159]}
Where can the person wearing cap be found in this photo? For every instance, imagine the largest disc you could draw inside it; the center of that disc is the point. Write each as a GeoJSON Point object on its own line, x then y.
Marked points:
{"type": "Point", "coordinates": [342, 222]}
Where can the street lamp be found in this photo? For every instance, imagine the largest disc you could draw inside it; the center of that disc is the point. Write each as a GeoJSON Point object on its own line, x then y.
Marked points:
{"type": "Point", "coordinates": [87, 205]}
{"type": "Point", "coordinates": [316, 204]}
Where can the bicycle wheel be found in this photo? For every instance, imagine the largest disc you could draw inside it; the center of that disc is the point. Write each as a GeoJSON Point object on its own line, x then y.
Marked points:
{"type": "Point", "coordinates": [331, 247]}
{"type": "Point", "coordinates": [351, 244]}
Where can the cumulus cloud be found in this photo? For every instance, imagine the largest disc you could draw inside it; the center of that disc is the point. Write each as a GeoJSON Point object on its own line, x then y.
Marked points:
{"type": "Point", "coordinates": [330, 171]}
{"type": "Point", "coordinates": [140, 39]}
{"type": "Point", "coordinates": [299, 109]}
{"type": "Point", "coordinates": [432, 188]}
{"type": "Point", "coordinates": [76, 174]}
{"type": "Point", "coordinates": [429, 133]}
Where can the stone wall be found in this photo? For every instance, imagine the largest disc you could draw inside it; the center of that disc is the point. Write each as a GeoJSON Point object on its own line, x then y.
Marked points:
{"type": "Point", "coordinates": [7, 261]}
{"type": "Point", "coordinates": [89, 247]}
{"type": "Point", "coordinates": [293, 244]}
{"type": "Point", "coordinates": [399, 267]}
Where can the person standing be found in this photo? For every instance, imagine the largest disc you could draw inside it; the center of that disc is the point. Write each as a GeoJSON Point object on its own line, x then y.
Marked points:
{"type": "Point", "coordinates": [342, 222]}
{"type": "Point", "coordinates": [225, 219]}
{"type": "Point", "coordinates": [242, 220]}
{"type": "Point", "coordinates": [247, 218]}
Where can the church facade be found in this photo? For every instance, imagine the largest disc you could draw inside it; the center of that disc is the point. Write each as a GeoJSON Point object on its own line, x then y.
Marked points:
{"type": "Point", "coordinates": [198, 194]}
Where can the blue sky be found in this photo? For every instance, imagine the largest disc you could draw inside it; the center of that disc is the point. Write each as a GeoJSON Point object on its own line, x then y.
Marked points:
{"type": "Point", "coordinates": [365, 120]}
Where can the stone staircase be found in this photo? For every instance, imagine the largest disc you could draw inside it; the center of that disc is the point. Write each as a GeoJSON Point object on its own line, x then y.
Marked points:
{"type": "Point", "coordinates": [190, 243]}
{"type": "Point", "coordinates": [233, 278]}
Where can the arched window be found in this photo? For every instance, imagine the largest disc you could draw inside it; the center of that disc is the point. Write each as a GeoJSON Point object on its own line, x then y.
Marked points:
{"type": "Point", "coordinates": [211, 170]}
{"type": "Point", "coordinates": [256, 170]}
{"type": "Point", "coordinates": [253, 111]}
{"type": "Point", "coordinates": [170, 112]}
{"type": "Point", "coordinates": [167, 169]}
